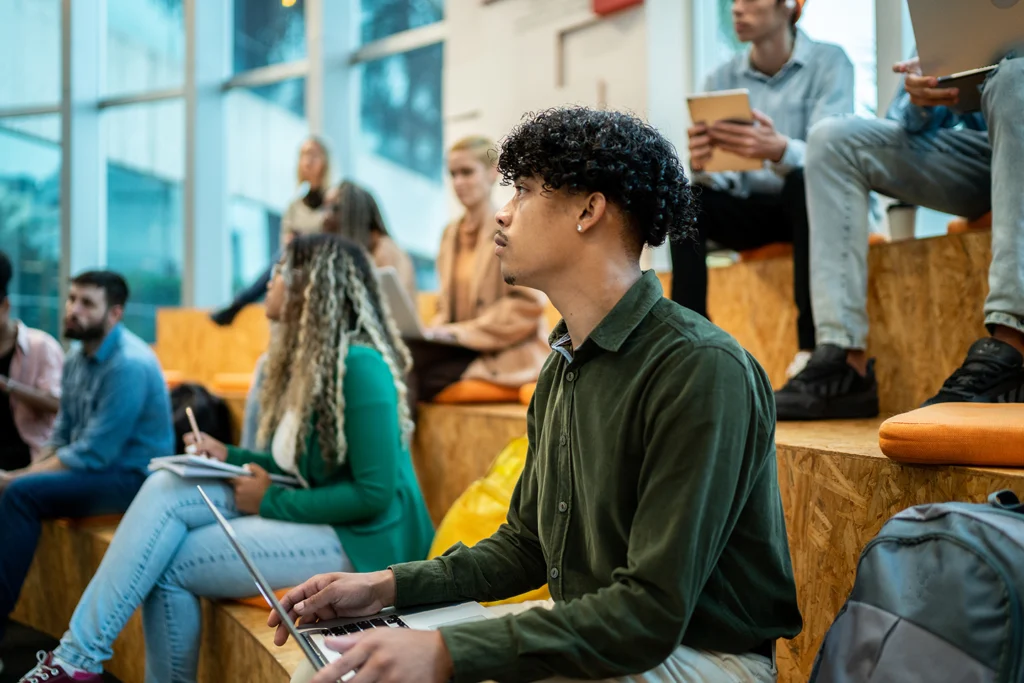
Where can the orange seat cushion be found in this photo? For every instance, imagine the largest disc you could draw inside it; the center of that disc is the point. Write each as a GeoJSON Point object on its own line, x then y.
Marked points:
{"type": "Point", "coordinates": [961, 225]}
{"type": "Point", "coordinates": [174, 378]}
{"type": "Point", "coordinates": [231, 383]}
{"type": "Point", "coordinates": [526, 393]}
{"type": "Point", "coordinates": [477, 391]}
{"type": "Point", "coordinates": [984, 434]}
{"type": "Point", "coordinates": [768, 251]}
{"type": "Point", "coordinates": [258, 601]}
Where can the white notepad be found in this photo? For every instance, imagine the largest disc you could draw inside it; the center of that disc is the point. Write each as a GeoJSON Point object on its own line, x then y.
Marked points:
{"type": "Point", "coordinates": [199, 467]}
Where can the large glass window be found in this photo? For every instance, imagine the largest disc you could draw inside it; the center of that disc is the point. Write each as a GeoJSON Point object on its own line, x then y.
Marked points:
{"type": "Point", "coordinates": [266, 127]}
{"type": "Point", "coordinates": [400, 149]}
{"type": "Point", "coordinates": [145, 45]}
{"type": "Point", "coordinates": [268, 32]}
{"type": "Point", "coordinates": [30, 160]}
{"type": "Point", "coordinates": [383, 18]}
{"type": "Point", "coordinates": [847, 23]}
{"type": "Point", "coordinates": [30, 52]}
{"type": "Point", "coordinates": [145, 166]}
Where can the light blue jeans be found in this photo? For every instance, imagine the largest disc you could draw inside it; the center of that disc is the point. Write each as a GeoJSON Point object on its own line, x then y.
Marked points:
{"type": "Point", "coordinates": [167, 553]}
{"type": "Point", "coordinates": [961, 172]}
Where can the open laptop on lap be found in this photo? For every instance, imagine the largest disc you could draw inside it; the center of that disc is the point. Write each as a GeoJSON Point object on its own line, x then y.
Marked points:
{"type": "Point", "coordinates": [403, 310]}
{"type": "Point", "coordinates": [311, 637]}
{"type": "Point", "coordinates": [962, 41]}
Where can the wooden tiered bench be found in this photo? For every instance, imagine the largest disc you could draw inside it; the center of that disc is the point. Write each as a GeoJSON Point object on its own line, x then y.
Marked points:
{"type": "Point", "coordinates": [925, 301]}
{"type": "Point", "coordinates": [236, 644]}
{"type": "Point", "coordinates": [455, 445]}
{"type": "Point", "coordinates": [837, 491]}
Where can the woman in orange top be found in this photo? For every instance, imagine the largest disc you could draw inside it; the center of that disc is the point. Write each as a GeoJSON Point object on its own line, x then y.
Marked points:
{"type": "Point", "coordinates": [489, 330]}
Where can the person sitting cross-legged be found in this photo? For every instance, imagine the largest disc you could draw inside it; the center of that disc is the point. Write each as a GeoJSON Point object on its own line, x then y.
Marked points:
{"type": "Point", "coordinates": [333, 415]}
{"type": "Point", "coordinates": [649, 503]}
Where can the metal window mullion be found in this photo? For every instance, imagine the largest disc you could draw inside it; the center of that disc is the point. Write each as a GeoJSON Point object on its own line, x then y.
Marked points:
{"type": "Point", "coordinates": [406, 41]}
{"type": "Point", "coordinates": [206, 278]}
{"type": "Point", "coordinates": [330, 43]}
{"type": "Point", "coordinates": [83, 177]}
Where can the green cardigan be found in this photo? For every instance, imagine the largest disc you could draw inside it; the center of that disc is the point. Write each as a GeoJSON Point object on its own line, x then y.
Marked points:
{"type": "Point", "coordinates": [373, 500]}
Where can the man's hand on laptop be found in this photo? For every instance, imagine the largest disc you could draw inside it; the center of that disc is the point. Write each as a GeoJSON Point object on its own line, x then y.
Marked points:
{"type": "Point", "coordinates": [329, 596]}
{"type": "Point", "coordinates": [389, 656]}
{"type": "Point", "coordinates": [922, 89]}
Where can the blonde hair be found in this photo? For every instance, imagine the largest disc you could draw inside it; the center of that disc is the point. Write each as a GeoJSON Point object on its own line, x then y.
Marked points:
{"type": "Point", "coordinates": [325, 175]}
{"type": "Point", "coordinates": [482, 148]}
{"type": "Point", "coordinates": [332, 302]}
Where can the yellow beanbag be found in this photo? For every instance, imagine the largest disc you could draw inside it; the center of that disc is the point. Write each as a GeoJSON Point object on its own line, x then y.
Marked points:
{"type": "Point", "coordinates": [483, 507]}
{"type": "Point", "coordinates": [983, 434]}
{"type": "Point", "coordinates": [477, 391]}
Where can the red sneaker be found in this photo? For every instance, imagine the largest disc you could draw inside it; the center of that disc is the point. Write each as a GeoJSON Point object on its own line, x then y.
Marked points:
{"type": "Point", "coordinates": [49, 671]}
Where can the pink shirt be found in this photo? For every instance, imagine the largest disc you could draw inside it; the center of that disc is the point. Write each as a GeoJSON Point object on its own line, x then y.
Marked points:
{"type": "Point", "coordinates": [38, 362]}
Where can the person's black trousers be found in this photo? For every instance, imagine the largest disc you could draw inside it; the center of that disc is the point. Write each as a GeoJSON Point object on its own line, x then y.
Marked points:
{"type": "Point", "coordinates": [741, 224]}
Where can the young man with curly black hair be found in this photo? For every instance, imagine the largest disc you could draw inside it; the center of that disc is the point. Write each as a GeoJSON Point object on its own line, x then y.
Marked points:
{"type": "Point", "coordinates": [649, 503]}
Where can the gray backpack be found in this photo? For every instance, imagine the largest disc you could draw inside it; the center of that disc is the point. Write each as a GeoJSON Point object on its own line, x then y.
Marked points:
{"type": "Point", "coordinates": [937, 598]}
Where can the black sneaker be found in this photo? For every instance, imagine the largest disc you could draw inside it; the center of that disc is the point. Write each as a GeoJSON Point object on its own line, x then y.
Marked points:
{"type": "Point", "coordinates": [828, 389]}
{"type": "Point", "coordinates": [993, 372]}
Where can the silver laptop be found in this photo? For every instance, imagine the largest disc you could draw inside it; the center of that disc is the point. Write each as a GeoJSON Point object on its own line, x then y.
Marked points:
{"type": "Point", "coordinates": [962, 41]}
{"type": "Point", "coordinates": [311, 637]}
{"type": "Point", "coordinates": [403, 310]}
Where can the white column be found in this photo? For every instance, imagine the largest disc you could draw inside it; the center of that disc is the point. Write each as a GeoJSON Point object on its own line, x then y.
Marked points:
{"type": "Point", "coordinates": [83, 177]}
{"type": "Point", "coordinates": [206, 280]}
{"type": "Point", "coordinates": [891, 27]}
{"type": "Point", "coordinates": [332, 34]}
{"type": "Point", "coordinates": [670, 60]}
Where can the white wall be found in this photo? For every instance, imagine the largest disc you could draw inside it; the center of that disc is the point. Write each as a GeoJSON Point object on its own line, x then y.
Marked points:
{"type": "Point", "coordinates": [501, 60]}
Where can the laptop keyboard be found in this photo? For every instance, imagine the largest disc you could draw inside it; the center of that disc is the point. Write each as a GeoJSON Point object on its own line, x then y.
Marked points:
{"type": "Point", "coordinates": [392, 621]}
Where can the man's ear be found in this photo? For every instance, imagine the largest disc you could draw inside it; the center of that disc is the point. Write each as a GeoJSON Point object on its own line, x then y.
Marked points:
{"type": "Point", "coordinates": [115, 315]}
{"type": "Point", "coordinates": [594, 207]}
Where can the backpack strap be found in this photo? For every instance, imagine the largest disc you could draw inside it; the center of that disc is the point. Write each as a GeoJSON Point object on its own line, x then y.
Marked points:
{"type": "Point", "coordinates": [1006, 500]}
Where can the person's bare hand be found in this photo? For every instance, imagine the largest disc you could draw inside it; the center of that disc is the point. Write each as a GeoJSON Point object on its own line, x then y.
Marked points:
{"type": "Point", "coordinates": [389, 656]}
{"type": "Point", "coordinates": [249, 491]}
{"type": "Point", "coordinates": [700, 147]}
{"type": "Point", "coordinates": [757, 141]}
{"type": "Point", "coordinates": [329, 596]}
{"type": "Point", "coordinates": [924, 90]}
{"type": "Point", "coordinates": [208, 446]}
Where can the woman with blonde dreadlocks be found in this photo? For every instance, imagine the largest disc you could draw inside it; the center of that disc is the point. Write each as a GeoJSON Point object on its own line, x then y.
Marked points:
{"type": "Point", "coordinates": [334, 415]}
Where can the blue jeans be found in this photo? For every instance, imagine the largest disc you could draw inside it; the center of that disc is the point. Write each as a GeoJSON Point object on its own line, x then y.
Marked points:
{"type": "Point", "coordinates": [962, 172]}
{"type": "Point", "coordinates": [167, 553]}
{"type": "Point", "coordinates": [29, 500]}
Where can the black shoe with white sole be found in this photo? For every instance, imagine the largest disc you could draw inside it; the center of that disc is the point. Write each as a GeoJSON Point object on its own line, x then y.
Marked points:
{"type": "Point", "coordinates": [828, 389]}
{"type": "Point", "coordinates": [993, 372]}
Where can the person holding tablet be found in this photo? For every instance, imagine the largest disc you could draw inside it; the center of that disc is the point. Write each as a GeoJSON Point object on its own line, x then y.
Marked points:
{"type": "Point", "coordinates": [333, 415]}
{"type": "Point", "coordinates": [793, 82]}
{"type": "Point", "coordinates": [494, 330]}
{"type": "Point", "coordinates": [925, 154]}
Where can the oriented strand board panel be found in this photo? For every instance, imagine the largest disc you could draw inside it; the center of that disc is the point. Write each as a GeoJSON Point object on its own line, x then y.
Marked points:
{"type": "Point", "coordinates": [837, 491]}
{"type": "Point", "coordinates": [454, 445]}
{"type": "Point", "coordinates": [236, 643]}
{"type": "Point", "coordinates": [925, 302]}
{"type": "Point", "coordinates": [189, 342]}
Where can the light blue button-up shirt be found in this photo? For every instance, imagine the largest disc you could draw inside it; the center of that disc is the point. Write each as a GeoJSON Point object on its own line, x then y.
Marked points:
{"type": "Point", "coordinates": [115, 411]}
{"type": "Point", "coordinates": [816, 82]}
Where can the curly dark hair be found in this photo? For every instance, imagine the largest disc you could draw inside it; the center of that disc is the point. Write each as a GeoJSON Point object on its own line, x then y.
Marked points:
{"type": "Point", "coordinates": [628, 161]}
